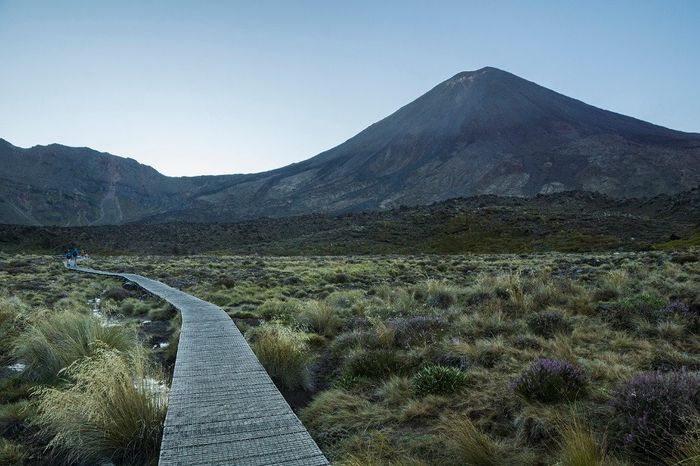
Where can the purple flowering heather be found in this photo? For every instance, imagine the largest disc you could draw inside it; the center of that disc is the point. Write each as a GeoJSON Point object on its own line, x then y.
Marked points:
{"type": "Point", "coordinates": [653, 409]}
{"type": "Point", "coordinates": [676, 307]}
{"type": "Point", "coordinates": [550, 380]}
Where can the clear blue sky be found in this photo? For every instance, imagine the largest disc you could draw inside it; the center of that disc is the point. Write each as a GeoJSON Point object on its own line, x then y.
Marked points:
{"type": "Point", "coordinates": [206, 87]}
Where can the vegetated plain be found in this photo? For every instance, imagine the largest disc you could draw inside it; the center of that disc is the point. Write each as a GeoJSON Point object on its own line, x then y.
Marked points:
{"type": "Point", "coordinates": [84, 366]}
{"type": "Point", "coordinates": [575, 359]}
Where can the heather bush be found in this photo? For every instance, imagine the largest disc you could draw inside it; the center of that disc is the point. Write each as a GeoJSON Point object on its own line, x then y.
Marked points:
{"type": "Point", "coordinates": [675, 307]}
{"type": "Point", "coordinates": [653, 410]}
{"type": "Point", "coordinates": [548, 323]}
{"type": "Point", "coordinates": [438, 380]}
{"type": "Point", "coordinates": [550, 380]}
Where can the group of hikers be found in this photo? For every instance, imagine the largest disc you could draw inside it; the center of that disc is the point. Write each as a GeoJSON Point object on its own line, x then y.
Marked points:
{"type": "Point", "coordinates": [72, 256]}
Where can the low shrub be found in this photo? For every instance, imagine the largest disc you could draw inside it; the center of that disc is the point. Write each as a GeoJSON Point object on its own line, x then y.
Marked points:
{"type": "Point", "coordinates": [12, 417]}
{"type": "Point", "coordinates": [284, 352]}
{"type": "Point", "coordinates": [55, 341]}
{"type": "Point", "coordinates": [438, 380]}
{"type": "Point", "coordinates": [117, 294]}
{"type": "Point", "coordinates": [339, 278]}
{"type": "Point", "coordinates": [655, 409]}
{"type": "Point", "coordinates": [550, 380]}
{"type": "Point", "coordinates": [133, 307]}
{"type": "Point", "coordinates": [110, 410]}
{"type": "Point", "coordinates": [12, 453]}
{"type": "Point", "coordinates": [548, 323]}
{"type": "Point", "coordinates": [13, 389]}
{"type": "Point", "coordinates": [165, 312]}
{"type": "Point", "coordinates": [675, 307]}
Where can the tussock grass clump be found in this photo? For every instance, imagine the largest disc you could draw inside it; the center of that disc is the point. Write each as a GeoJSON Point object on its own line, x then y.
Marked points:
{"type": "Point", "coordinates": [409, 331]}
{"type": "Point", "coordinates": [276, 309]}
{"type": "Point", "coordinates": [13, 318]}
{"type": "Point", "coordinates": [550, 380]}
{"type": "Point", "coordinates": [377, 363]}
{"type": "Point", "coordinates": [337, 414]}
{"type": "Point", "coordinates": [688, 449]}
{"type": "Point", "coordinates": [579, 446]}
{"type": "Point", "coordinates": [284, 352]}
{"type": "Point", "coordinates": [321, 318]}
{"type": "Point", "coordinates": [468, 445]}
{"type": "Point", "coordinates": [110, 410]}
{"type": "Point", "coordinates": [437, 294]}
{"type": "Point", "coordinates": [438, 380]}
{"type": "Point", "coordinates": [548, 323]}
{"type": "Point", "coordinates": [55, 341]}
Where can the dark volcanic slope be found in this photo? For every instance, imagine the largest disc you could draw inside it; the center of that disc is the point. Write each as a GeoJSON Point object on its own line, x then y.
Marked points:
{"type": "Point", "coordinates": [59, 185]}
{"type": "Point", "coordinates": [480, 132]}
{"type": "Point", "coordinates": [568, 221]}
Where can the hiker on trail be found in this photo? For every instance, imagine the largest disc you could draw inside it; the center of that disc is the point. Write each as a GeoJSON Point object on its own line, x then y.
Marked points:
{"type": "Point", "coordinates": [72, 257]}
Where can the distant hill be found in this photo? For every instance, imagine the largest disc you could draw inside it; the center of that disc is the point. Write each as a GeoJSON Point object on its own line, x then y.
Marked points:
{"type": "Point", "coordinates": [568, 221]}
{"type": "Point", "coordinates": [480, 132]}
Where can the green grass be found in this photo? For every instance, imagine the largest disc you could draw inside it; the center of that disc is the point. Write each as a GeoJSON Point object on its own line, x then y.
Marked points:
{"type": "Point", "coordinates": [356, 332]}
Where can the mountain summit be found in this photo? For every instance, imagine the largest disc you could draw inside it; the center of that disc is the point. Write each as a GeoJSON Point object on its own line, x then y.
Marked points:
{"type": "Point", "coordinates": [479, 132]}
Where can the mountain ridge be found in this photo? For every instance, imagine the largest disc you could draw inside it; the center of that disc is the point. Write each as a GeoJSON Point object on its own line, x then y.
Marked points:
{"type": "Point", "coordinates": [486, 131]}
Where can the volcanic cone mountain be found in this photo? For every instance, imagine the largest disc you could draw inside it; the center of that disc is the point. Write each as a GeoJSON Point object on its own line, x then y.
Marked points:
{"type": "Point", "coordinates": [480, 132]}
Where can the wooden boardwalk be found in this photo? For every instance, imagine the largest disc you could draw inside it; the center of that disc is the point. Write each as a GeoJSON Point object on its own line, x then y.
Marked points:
{"type": "Point", "coordinates": [223, 407]}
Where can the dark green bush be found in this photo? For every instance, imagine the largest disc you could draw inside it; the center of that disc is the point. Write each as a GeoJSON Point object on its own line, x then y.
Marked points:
{"type": "Point", "coordinates": [438, 380]}
{"type": "Point", "coordinates": [117, 294]}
